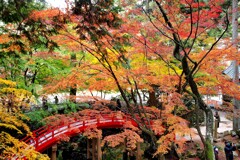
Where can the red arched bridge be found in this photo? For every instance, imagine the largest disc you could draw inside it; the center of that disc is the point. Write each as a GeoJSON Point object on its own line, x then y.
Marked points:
{"type": "Point", "coordinates": [45, 137]}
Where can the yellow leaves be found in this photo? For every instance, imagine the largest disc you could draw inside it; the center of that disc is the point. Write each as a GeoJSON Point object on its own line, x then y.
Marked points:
{"type": "Point", "coordinates": [15, 99]}
{"type": "Point", "coordinates": [8, 91]}
{"type": "Point", "coordinates": [12, 147]}
{"type": "Point", "coordinates": [11, 127]}
{"type": "Point", "coordinates": [12, 122]}
{"type": "Point", "coordinates": [21, 93]}
{"type": "Point", "coordinates": [209, 40]}
{"type": "Point", "coordinates": [9, 83]}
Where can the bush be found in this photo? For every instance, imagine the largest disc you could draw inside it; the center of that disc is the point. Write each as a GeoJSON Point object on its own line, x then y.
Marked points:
{"type": "Point", "coordinates": [36, 118]}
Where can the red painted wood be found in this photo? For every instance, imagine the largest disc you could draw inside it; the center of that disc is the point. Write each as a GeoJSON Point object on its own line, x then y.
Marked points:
{"type": "Point", "coordinates": [45, 137]}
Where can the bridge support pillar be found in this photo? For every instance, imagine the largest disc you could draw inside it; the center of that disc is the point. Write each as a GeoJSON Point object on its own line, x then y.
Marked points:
{"type": "Point", "coordinates": [88, 149]}
{"type": "Point", "coordinates": [99, 149]}
{"type": "Point", "coordinates": [54, 152]}
{"type": "Point", "coordinates": [94, 151]}
{"type": "Point", "coordinates": [132, 155]}
{"type": "Point", "coordinates": [138, 156]}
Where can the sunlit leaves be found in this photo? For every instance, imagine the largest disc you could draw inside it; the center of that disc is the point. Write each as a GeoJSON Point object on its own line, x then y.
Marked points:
{"type": "Point", "coordinates": [127, 137]}
{"type": "Point", "coordinates": [12, 125]}
{"type": "Point", "coordinates": [92, 132]}
{"type": "Point", "coordinates": [175, 132]}
{"type": "Point", "coordinates": [12, 148]}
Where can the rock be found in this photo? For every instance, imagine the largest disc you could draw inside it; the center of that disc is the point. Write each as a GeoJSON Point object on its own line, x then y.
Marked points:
{"type": "Point", "coordinates": [233, 133]}
{"type": "Point", "coordinates": [224, 139]}
{"type": "Point", "coordinates": [238, 146]}
{"type": "Point", "coordinates": [225, 133]}
{"type": "Point", "coordinates": [238, 132]}
{"type": "Point", "coordinates": [235, 154]}
{"type": "Point", "coordinates": [216, 140]}
{"type": "Point", "coordinates": [221, 135]}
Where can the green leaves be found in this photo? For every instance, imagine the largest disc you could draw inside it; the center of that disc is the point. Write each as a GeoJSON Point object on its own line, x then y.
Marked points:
{"type": "Point", "coordinates": [16, 11]}
{"type": "Point", "coordinates": [36, 118]}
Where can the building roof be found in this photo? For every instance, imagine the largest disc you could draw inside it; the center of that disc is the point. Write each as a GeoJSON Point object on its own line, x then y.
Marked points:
{"type": "Point", "coordinates": [230, 70]}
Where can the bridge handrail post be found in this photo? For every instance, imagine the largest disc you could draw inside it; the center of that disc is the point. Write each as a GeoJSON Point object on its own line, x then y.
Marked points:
{"type": "Point", "coordinates": [36, 141]}
{"type": "Point", "coordinates": [98, 120]}
{"type": "Point", "coordinates": [112, 117]}
{"type": "Point", "coordinates": [125, 117]}
{"type": "Point", "coordinates": [52, 133]}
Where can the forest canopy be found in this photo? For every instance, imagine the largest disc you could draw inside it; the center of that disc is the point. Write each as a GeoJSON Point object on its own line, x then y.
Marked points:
{"type": "Point", "coordinates": [160, 57]}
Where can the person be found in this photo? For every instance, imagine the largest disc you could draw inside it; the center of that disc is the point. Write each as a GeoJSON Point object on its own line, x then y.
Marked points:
{"type": "Point", "coordinates": [228, 149]}
{"type": "Point", "coordinates": [56, 99]}
{"type": "Point", "coordinates": [119, 106]}
{"type": "Point", "coordinates": [215, 152]}
{"type": "Point", "coordinates": [44, 102]}
{"type": "Point", "coordinates": [217, 118]}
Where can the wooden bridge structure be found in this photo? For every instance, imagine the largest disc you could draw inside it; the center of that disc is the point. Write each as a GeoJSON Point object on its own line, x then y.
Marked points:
{"type": "Point", "coordinates": [46, 137]}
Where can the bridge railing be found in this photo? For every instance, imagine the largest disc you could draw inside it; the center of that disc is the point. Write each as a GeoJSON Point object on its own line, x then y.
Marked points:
{"type": "Point", "coordinates": [43, 136]}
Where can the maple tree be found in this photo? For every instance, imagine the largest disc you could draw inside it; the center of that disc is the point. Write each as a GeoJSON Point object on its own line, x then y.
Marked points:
{"type": "Point", "coordinates": [19, 37]}
{"type": "Point", "coordinates": [108, 44]}
{"type": "Point", "coordinates": [166, 21]}
{"type": "Point", "coordinates": [167, 48]}
{"type": "Point", "coordinates": [22, 33]}
{"type": "Point", "coordinates": [13, 102]}
{"type": "Point", "coordinates": [185, 40]}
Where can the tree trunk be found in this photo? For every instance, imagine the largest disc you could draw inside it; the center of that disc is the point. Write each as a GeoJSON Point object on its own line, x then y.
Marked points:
{"type": "Point", "coordinates": [73, 89]}
{"type": "Point", "coordinates": [73, 94]}
{"type": "Point", "coordinates": [209, 153]}
{"type": "Point", "coordinates": [152, 101]}
{"type": "Point", "coordinates": [147, 6]}
{"type": "Point", "coordinates": [209, 124]}
{"type": "Point", "coordinates": [209, 150]}
{"type": "Point", "coordinates": [209, 135]}
{"type": "Point", "coordinates": [236, 102]}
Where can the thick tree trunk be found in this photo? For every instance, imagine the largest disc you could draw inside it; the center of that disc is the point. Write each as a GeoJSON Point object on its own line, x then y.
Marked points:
{"type": "Point", "coordinates": [209, 150]}
{"type": "Point", "coordinates": [152, 101]}
{"type": "Point", "coordinates": [73, 89]}
{"type": "Point", "coordinates": [209, 135]}
{"type": "Point", "coordinates": [201, 104]}
{"type": "Point", "coordinates": [188, 72]}
{"type": "Point", "coordinates": [209, 124]}
{"type": "Point", "coordinates": [236, 102]}
{"type": "Point", "coordinates": [209, 153]}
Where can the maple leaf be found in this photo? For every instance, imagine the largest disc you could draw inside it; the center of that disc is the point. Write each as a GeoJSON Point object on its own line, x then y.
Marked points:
{"type": "Point", "coordinates": [92, 132]}
{"type": "Point", "coordinates": [130, 137]}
